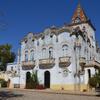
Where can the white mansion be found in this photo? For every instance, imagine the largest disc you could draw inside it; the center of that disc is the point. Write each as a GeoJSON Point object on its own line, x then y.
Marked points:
{"type": "Point", "coordinates": [63, 57]}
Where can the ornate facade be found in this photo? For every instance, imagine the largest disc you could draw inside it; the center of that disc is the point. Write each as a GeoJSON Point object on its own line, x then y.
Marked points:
{"type": "Point", "coordinates": [64, 58]}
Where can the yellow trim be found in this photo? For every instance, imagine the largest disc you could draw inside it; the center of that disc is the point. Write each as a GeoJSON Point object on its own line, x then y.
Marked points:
{"type": "Point", "coordinates": [84, 87]}
{"type": "Point", "coordinates": [71, 87]}
{"type": "Point", "coordinates": [62, 87]}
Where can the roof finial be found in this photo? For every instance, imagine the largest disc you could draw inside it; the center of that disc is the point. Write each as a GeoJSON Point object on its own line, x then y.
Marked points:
{"type": "Point", "coordinates": [79, 3]}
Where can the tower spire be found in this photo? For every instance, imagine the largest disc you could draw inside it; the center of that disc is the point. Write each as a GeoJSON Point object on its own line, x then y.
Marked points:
{"type": "Point", "coordinates": [79, 15]}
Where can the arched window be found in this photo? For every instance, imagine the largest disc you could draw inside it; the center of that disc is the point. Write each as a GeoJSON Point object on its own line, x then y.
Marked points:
{"type": "Point", "coordinates": [44, 53]}
{"type": "Point", "coordinates": [56, 38]}
{"type": "Point", "coordinates": [12, 68]}
{"type": "Point", "coordinates": [65, 50]}
{"type": "Point", "coordinates": [32, 55]}
{"type": "Point", "coordinates": [50, 52]}
{"type": "Point", "coordinates": [43, 40]}
{"type": "Point", "coordinates": [26, 56]}
{"type": "Point", "coordinates": [51, 38]}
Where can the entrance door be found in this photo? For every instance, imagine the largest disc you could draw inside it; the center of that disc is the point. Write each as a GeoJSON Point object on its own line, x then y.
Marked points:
{"type": "Point", "coordinates": [47, 79]}
{"type": "Point", "coordinates": [28, 77]}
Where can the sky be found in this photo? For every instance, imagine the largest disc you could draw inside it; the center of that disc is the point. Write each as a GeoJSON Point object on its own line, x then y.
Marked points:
{"type": "Point", "coordinates": [18, 17]}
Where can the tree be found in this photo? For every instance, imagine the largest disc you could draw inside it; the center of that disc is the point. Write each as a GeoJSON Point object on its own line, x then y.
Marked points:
{"type": "Point", "coordinates": [6, 56]}
{"type": "Point", "coordinates": [3, 83]}
{"type": "Point", "coordinates": [95, 80]}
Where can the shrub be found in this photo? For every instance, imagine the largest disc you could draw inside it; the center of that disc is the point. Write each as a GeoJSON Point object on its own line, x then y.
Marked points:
{"type": "Point", "coordinates": [3, 83]}
{"type": "Point", "coordinates": [93, 82]}
{"type": "Point", "coordinates": [32, 82]}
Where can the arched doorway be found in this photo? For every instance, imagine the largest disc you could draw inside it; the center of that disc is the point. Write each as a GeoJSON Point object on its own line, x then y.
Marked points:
{"type": "Point", "coordinates": [28, 78]}
{"type": "Point", "coordinates": [47, 79]}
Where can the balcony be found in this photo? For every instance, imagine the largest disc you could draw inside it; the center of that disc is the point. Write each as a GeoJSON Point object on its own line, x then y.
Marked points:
{"type": "Point", "coordinates": [64, 62]}
{"type": "Point", "coordinates": [92, 63]}
{"type": "Point", "coordinates": [46, 63]}
{"type": "Point", "coordinates": [82, 61]}
{"type": "Point", "coordinates": [77, 43]}
{"type": "Point", "coordinates": [28, 65]}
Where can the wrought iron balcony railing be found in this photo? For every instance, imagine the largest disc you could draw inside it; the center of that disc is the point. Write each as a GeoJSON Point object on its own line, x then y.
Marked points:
{"type": "Point", "coordinates": [77, 44]}
{"type": "Point", "coordinates": [64, 61]}
{"type": "Point", "coordinates": [28, 65]}
{"type": "Point", "coordinates": [46, 63]}
{"type": "Point", "coordinates": [82, 61]}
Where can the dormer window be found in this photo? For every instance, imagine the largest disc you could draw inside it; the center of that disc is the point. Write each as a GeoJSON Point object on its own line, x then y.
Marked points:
{"type": "Point", "coordinates": [84, 29]}
{"type": "Point", "coordinates": [25, 41]}
{"type": "Point", "coordinates": [51, 36]}
{"type": "Point", "coordinates": [32, 40]}
{"type": "Point", "coordinates": [42, 37]}
{"type": "Point", "coordinates": [77, 20]}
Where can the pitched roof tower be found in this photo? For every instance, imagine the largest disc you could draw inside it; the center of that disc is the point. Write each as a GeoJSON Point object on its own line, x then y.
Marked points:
{"type": "Point", "coordinates": [80, 17]}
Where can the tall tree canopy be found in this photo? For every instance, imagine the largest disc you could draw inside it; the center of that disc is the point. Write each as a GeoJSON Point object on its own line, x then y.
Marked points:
{"type": "Point", "coordinates": [6, 56]}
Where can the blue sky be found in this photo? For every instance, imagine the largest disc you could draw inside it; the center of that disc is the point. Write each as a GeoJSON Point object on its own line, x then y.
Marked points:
{"type": "Point", "coordinates": [22, 16]}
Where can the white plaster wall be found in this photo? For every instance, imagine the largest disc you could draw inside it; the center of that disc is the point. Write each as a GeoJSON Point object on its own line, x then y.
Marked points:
{"type": "Point", "coordinates": [15, 67]}
{"type": "Point", "coordinates": [57, 76]}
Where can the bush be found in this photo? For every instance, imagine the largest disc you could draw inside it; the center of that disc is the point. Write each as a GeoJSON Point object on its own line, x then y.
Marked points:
{"type": "Point", "coordinates": [32, 81]}
{"type": "Point", "coordinates": [93, 82]}
{"type": "Point", "coordinates": [3, 83]}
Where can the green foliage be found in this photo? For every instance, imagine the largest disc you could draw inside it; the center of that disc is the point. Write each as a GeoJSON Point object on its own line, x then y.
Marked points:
{"type": "Point", "coordinates": [3, 83]}
{"type": "Point", "coordinates": [34, 77]}
{"type": "Point", "coordinates": [32, 81]}
{"type": "Point", "coordinates": [6, 56]}
{"type": "Point", "coordinates": [95, 80]}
